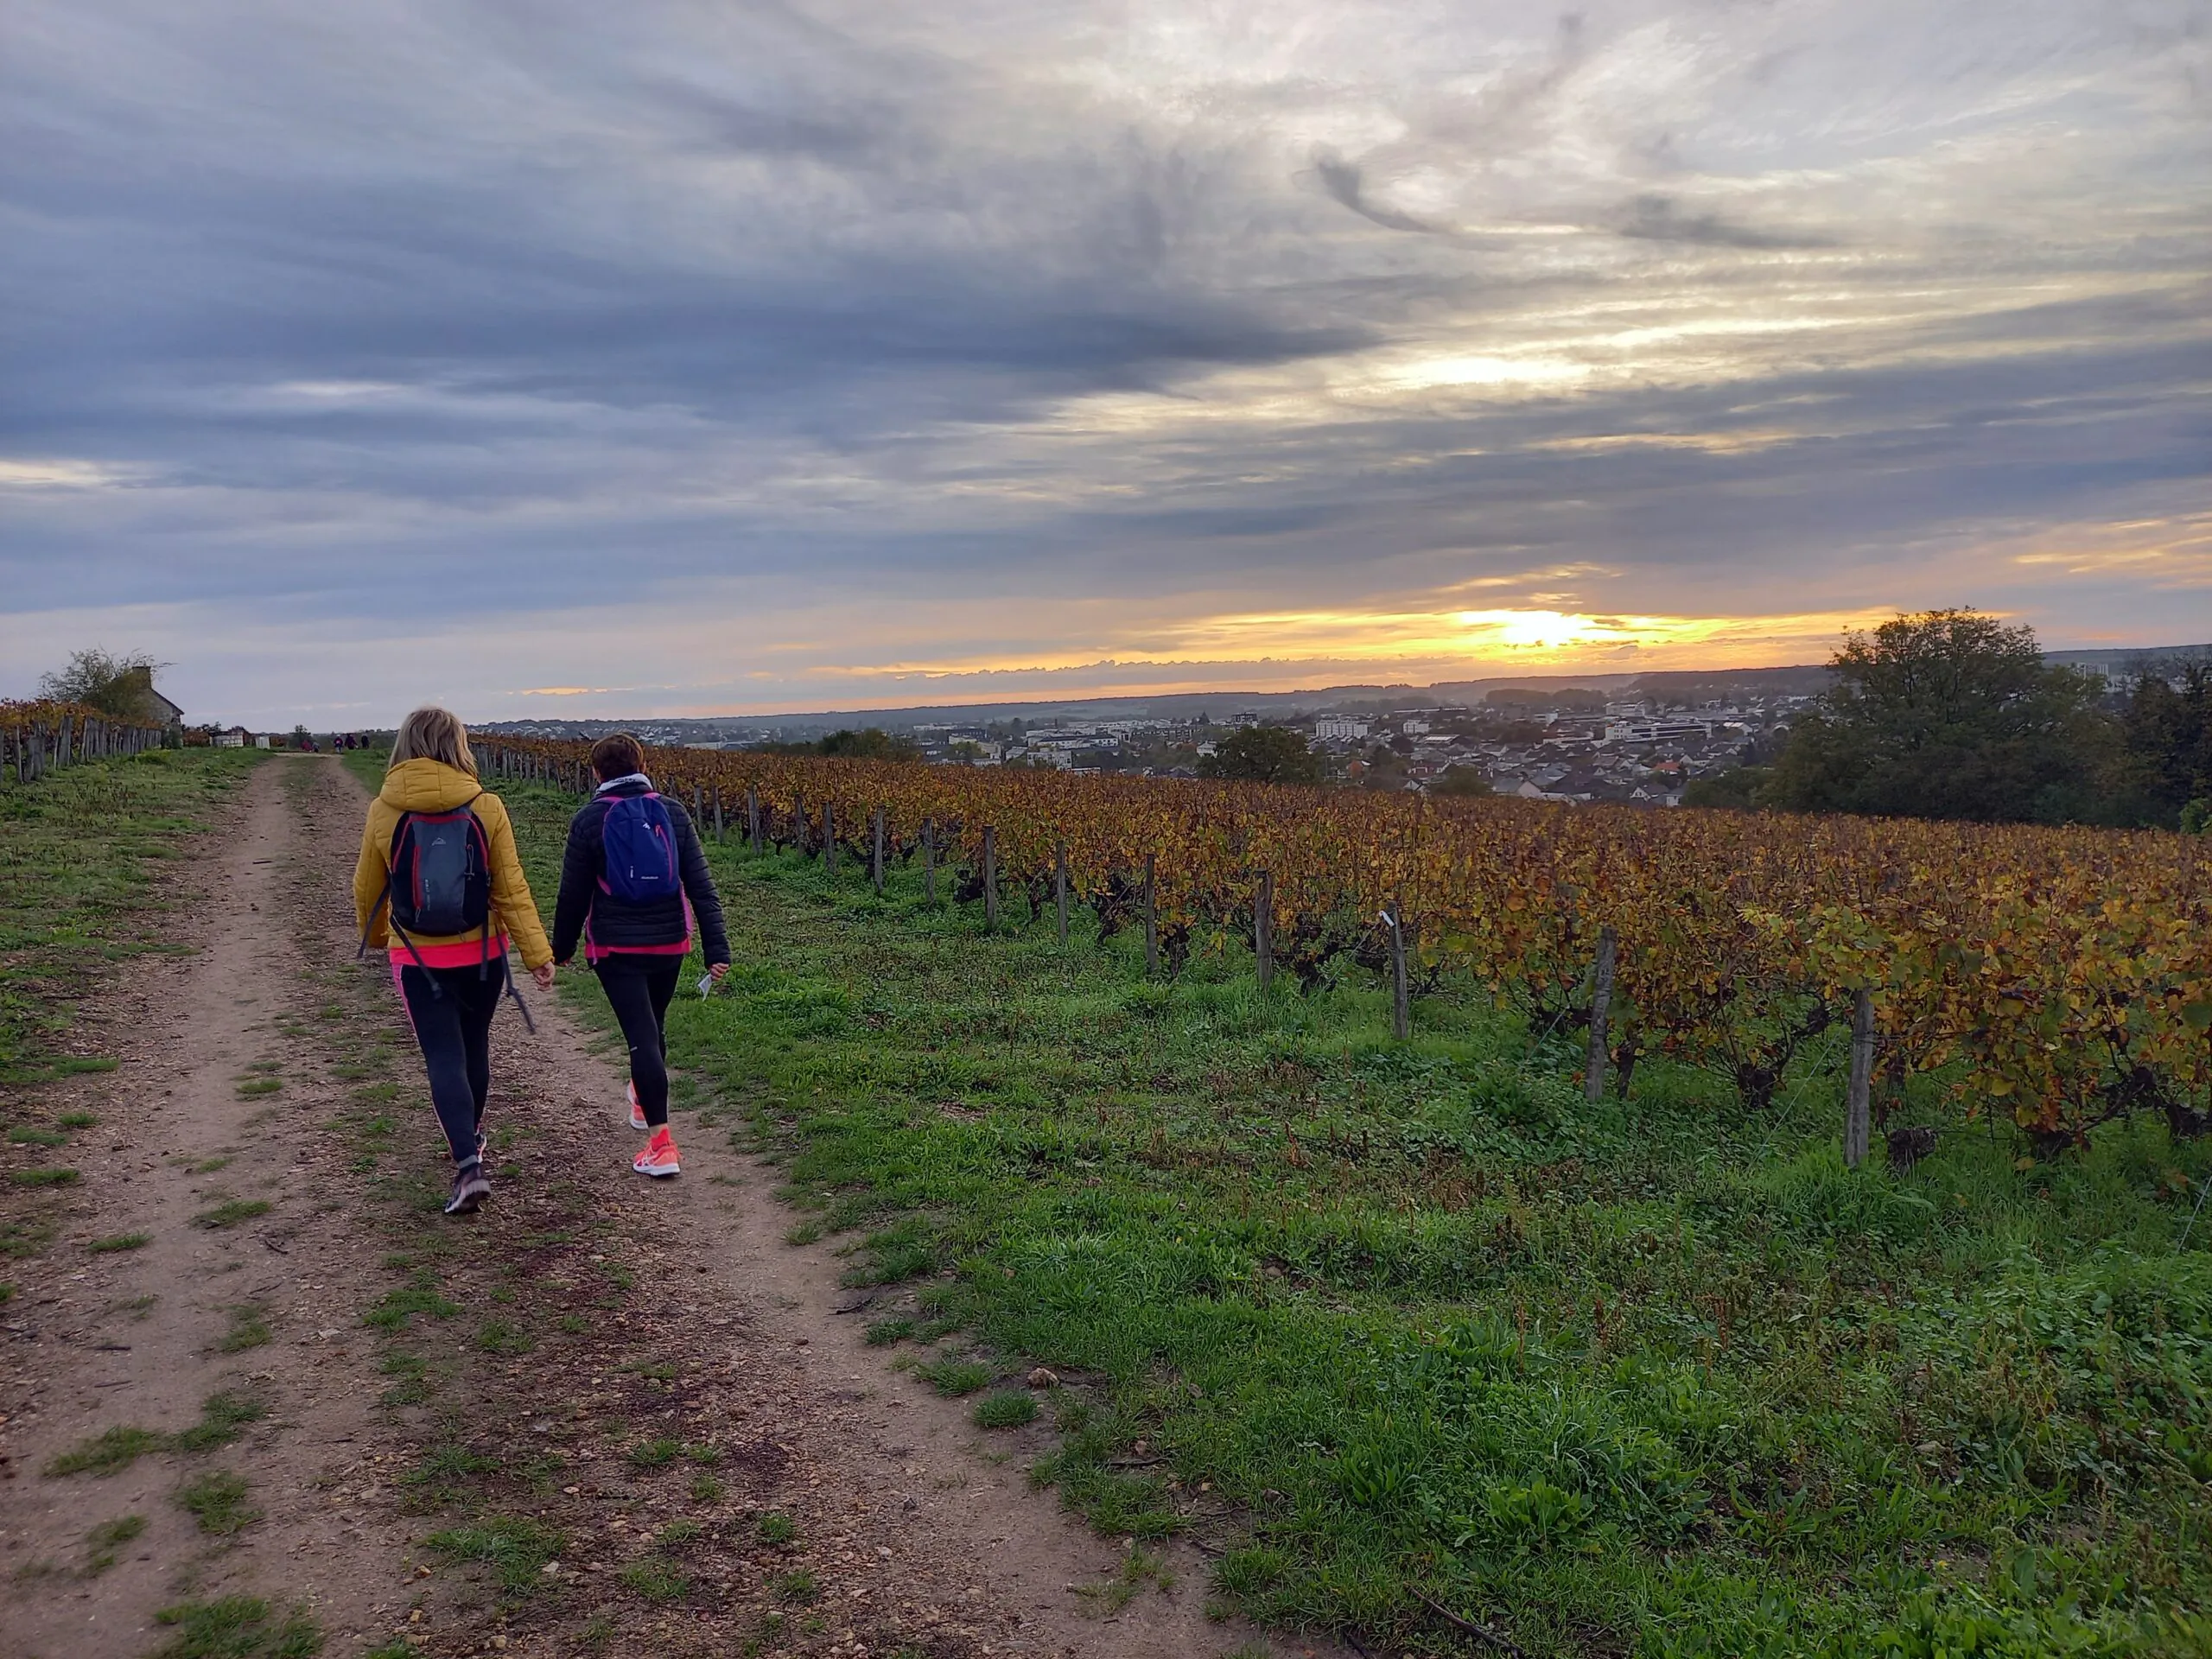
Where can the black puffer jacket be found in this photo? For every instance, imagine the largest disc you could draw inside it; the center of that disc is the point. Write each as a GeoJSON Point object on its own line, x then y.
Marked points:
{"type": "Point", "coordinates": [615, 924]}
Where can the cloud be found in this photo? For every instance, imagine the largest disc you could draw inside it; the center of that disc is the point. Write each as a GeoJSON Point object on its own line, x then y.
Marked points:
{"type": "Point", "coordinates": [1657, 218]}
{"type": "Point", "coordinates": [795, 322]}
{"type": "Point", "coordinates": [1341, 180]}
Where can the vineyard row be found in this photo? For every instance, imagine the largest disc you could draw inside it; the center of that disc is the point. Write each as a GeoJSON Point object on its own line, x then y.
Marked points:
{"type": "Point", "coordinates": [2063, 976]}
{"type": "Point", "coordinates": [36, 737]}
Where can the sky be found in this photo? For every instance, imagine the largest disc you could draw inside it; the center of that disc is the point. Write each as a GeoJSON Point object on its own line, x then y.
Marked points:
{"type": "Point", "coordinates": [565, 358]}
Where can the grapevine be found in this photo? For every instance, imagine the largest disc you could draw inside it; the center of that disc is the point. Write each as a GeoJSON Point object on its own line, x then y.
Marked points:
{"type": "Point", "coordinates": [2064, 975]}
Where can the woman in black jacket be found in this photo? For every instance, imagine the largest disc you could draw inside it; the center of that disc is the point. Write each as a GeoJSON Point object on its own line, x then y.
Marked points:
{"type": "Point", "coordinates": [636, 928]}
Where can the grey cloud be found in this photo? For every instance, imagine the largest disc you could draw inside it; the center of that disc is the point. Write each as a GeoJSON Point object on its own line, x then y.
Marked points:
{"type": "Point", "coordinates": [1342, 181]}
{"type": "Point", "coordinates": [764, 295]}
{"type": "Point", "coordinates": [1656, 218]}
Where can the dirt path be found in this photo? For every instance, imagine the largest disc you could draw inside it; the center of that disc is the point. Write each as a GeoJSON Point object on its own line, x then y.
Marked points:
{"type": "Point", "coordinates": [602, 1412]}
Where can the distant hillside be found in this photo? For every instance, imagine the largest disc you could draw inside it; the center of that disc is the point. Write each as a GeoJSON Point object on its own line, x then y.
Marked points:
{"type": "Point", "coordinates": [1681, 685]}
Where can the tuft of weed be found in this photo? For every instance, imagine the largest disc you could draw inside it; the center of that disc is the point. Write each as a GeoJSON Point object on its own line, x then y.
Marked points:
{"type": "Point", "coordinates": [776, 1528]}
{"type": "Point", "coordinates": [249, 1329]}
{"type": "Point", "coordinates": [237, 1627]}
{"type": "Point", "coordinates": [514, 1547]}
{"type": "Point", "coordinates": [954, 1377]}
{"type": "Point", "coordinates": [654, 1579]}
{"type": "Point", "coordinates": [103, 1543]}
{"type": "Point", "coordinates": [108, 1451]}
{"type": "Point", "coordinates": [500, 1337]}
{"type": "Point", "coordinates": [116, 1242]}
{"type": "Point", "coordinates": [232, 1212]}
{"type": "Point", "coordinates": [655, 1454]}
{"type": "Point", "coordinates": [798, 1587]}
{"type": "Point", "coordinates": [43, 1177]}
{"type": "Point", "coordinates": [1004, 1410]}
{"type": "Point", "coordinates": [217, 1501]}
{"type": "Point", "coordinates": [223, 1418]}
{"type": "Point", "coordinates": [396, 1308]}
{"type": "Point", "coordinates": [678, 1535]}
{"type": "Point", "coordinates": [444, 1474]}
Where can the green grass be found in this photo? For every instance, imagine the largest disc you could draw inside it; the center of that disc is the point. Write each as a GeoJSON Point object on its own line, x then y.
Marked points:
{"type": "Point", "coordinates": [654, 1579]}
{"type": "Point", "coordinates": [118, 1241]}
{"type": "Point", "coordinates": [43, 1177]}
{"type": "Point", "coordinates": [954, 1377]}
{"type": "Point", "coordinates": [103, 1543]}
{"type": "Point", "coordinates": [251, 1087]}
{"type": "Point", "coordinates": [1656, 1375]}
{"type": "Point", "coordinates": [249, 1329]}
{"type": "Point", "coordinates": [505, 1338]}
{"type": "Point", "coordinates": [396, 1309]}
{"type": "Point", "coordinates": [217, 1501]}
{"type": "Point", "coordinates": [776, 1528]}
{"type": "Point", "coordinates": [27, 1134]}
{"type": "Point", "coordinates": [513, 1549]}
{"type": "Point", "coordinates": [236, 1627]}
{"type": "Point", "coordinates": [84, 845]}
{"type": "Point", "coordinates": [654, 1454]}
{"type": "Point", "coordinates": [109, 1452]}
{"type": "Point", "coordinates": [223, 1418]}
{"type": "Point", "coordinates": [1006, 1410]}
{"type": "Point", "coordinates": [230, 1213]}
{"type": "Point", "coordinates": [705, 1488]}
{"type": "Point", "coordinates": [82, 1120]}
{"type": "Point", "coordinates": [798, 1587]}
{"type": "Point", "coordinates": [446, 1475]}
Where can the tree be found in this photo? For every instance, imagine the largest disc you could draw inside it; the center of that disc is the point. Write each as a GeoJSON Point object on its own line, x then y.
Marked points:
{"type": "Point", "coordinates": [1739, 787]}
{"type": "Point", "coordinates": [118, 685]}
{"type": "Point", "coordinates": [1951, 715]}
{"type": "Point", "coordinates": [1263, 754]}
{"type": "Point", "coordinates": [873, 744]}
{"type": "Point", "coordinates": [1460, 780]}
{"type": "Point", "coordinates": [2167, 730]}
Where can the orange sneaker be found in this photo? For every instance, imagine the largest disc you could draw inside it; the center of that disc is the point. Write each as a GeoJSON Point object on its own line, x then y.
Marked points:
{"type": "Point", "coordinates": [637, 1112]}
{"type": "Point", "coordinates": [658, 1159]}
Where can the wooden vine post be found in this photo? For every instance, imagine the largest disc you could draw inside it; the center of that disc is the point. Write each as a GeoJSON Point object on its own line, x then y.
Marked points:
{"type": "Point", "coordinates": [1151, 913]}
{"type": "Point", "coordinates": [1858, 1102]}
{"type": "Point", "coordinates": [875, 854]}
{"type": "Point", "coordinates": [1060, 886]}
{"type": "Point", "coordinates": [830, 836]}
{"type": "Point", "coordinates": [1402, 1008]}
{"type": "Point", "coordinates": [1601, 1005]}
{"type": "Point", "coordinates": [1263, 928]}
{"type": "Point", "coordinates": [718, 812]}
{"type": "Point", "coordinates": [929, 859]}
{"type": "Point", "coordinates": [752, 817]}
{"type": "Point", "coordinates": [990, 878]}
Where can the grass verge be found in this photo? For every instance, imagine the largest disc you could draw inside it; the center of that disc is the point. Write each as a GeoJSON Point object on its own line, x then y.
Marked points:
{"type": "Point", "coordinates": [1417, 1337]}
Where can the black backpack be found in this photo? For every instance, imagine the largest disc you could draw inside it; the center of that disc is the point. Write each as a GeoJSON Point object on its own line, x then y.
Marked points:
{"type": "Point", "coordinates": [440, 880]}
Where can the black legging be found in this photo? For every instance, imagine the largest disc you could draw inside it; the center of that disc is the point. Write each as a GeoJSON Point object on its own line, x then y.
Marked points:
{"type": "Point", "coordinates": [639, 987]}
{"type": "Point", "coordinates": [454, 1028]}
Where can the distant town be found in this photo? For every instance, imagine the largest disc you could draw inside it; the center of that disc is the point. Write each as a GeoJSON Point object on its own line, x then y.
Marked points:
{"type": "Point", "coordinates": [1639, 740]}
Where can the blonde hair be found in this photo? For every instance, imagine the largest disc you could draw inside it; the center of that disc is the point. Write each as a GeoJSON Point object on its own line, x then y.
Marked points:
{"type": "Point", "coordinates": [433, 733]}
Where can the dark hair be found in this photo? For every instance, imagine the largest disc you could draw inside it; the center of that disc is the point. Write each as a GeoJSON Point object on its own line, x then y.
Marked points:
{"type": "Point", "coordinates": [617, 755]}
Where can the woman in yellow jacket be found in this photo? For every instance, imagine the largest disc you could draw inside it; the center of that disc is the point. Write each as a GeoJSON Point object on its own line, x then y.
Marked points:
{"type": "Point", "coordinates": [439, 885]}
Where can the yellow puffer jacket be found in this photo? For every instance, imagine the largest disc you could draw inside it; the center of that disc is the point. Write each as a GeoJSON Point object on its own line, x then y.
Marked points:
{"type": "Point", "coordinates": [433, 786]}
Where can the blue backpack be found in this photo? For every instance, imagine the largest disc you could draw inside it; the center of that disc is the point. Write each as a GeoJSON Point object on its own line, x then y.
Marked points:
{"type": "Point", "coordinates": [639, 840]}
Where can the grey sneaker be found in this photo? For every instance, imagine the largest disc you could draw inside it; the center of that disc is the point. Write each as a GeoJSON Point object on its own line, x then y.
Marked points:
{"type": "Point", "coordinates": [469, 1190]}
